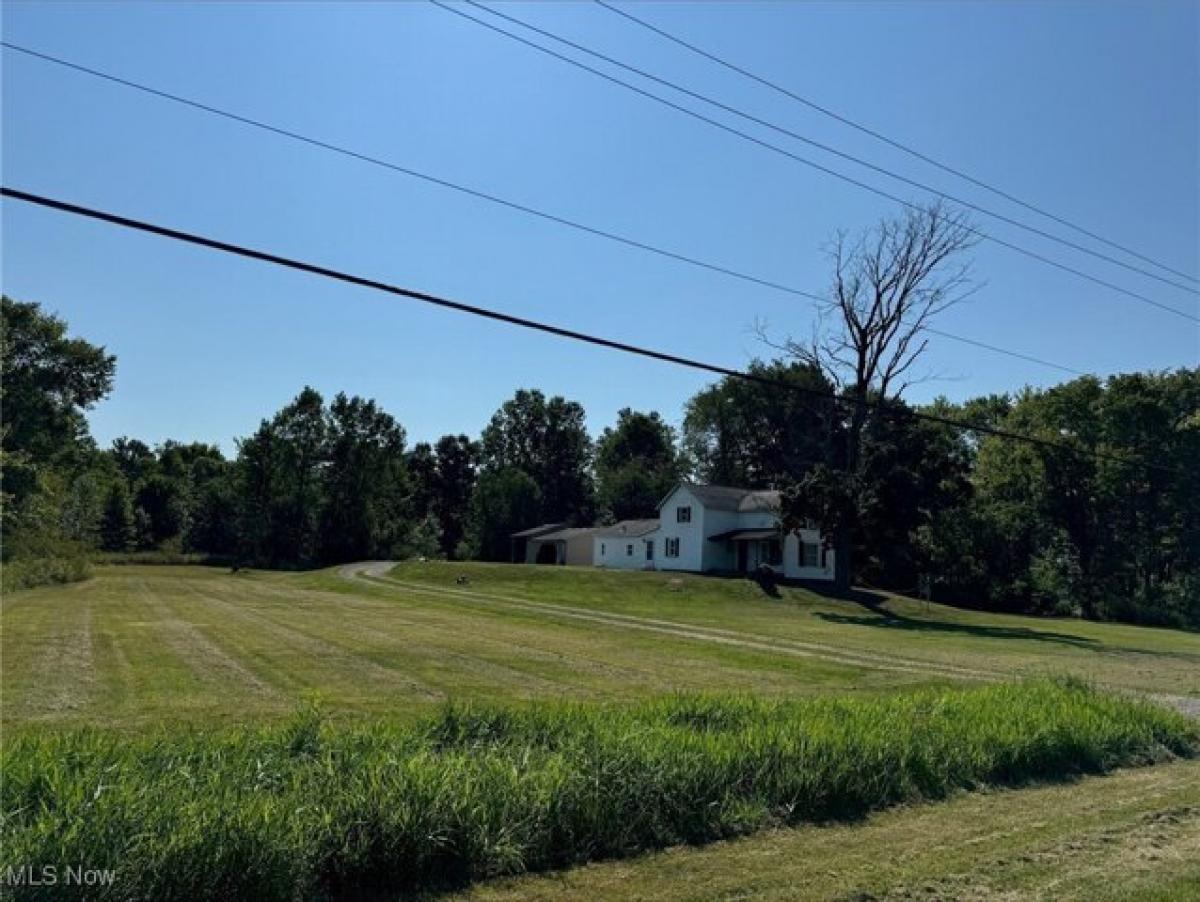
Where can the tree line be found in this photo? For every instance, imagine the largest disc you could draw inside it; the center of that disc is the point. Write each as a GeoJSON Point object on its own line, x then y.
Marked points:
{"type": "Point", "coordinates": [1081, 526]}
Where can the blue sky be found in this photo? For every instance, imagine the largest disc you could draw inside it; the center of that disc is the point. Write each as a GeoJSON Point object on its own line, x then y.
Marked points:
{"type": "Point", "coordinates": [1088, 109]}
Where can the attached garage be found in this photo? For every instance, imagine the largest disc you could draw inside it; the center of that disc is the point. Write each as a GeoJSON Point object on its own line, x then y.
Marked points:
{"type": "Point", "coordinates": [563, 546]}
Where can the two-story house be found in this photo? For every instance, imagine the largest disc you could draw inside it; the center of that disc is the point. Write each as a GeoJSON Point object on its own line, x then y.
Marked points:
{"type": "Point", "coordinates": [706, 528]}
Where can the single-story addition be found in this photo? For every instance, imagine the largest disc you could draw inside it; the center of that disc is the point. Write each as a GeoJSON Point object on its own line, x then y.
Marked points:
{"type": "Point", "coordinates": [552, 543]}
{"type": "Point", "coordinates": [628, 545]}
{"type": "Point", "coordinates": [700, 528]}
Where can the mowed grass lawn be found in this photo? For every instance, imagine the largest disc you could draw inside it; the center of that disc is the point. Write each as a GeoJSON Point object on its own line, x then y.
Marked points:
{"type": "Point", "coordinates": [141, 650]}
{"type": "Point", "coordinates": [139, 645]}
{"type": "Point", "coordinates": [934, 636]}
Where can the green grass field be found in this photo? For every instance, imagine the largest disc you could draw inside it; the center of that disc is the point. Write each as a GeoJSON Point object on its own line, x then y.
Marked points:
{"type": "Point", "coordinates": [147, 653]}
{"type": "Point", "coordinates": [138, 645]}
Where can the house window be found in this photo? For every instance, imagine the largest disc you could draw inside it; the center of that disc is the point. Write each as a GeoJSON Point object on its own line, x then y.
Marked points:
{"type": "Point", "coordinates": [649, 549]}
{"type": "Point", "coordinates": [602, 550]}
{"type": "Point", "coordinates": [772, 552]}
{"type": "Point", "coordinates": [683, 514]}
{"type": "Point", "coordinates": [671, 547]}
{"type": "Point", "coordinates": [629, 551]}
{"type": "Point", "coordinates": [809, 554]}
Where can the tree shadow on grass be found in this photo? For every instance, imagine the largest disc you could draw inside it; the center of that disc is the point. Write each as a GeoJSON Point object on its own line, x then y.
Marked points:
{"type": "Point", "coordinates": [881, 617]}
{"type": "Point", "coordinates": [890, 620]}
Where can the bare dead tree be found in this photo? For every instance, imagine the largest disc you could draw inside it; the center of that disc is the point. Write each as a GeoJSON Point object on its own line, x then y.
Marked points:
{"type": "Point", "coordinates": [889, 284]}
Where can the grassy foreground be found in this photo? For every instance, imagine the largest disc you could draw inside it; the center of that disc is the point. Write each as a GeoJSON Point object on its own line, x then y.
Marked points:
{"type": "Point", "coordinates": [306, 809]}
{"type": "Point", "coordinates": [1129, 836]}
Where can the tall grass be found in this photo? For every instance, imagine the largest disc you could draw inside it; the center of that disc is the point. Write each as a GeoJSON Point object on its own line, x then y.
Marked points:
{"type": "Point", "coordinates": [312, 810]}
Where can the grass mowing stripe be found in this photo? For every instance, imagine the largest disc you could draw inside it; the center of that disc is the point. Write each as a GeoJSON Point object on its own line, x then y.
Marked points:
{"type": "Point", "coordinates": [1124, 657]}
{"type": "Point", "coordinates": [307, 809]}
{"type": "Point", "coordinates": [318, 644]}
{"type": "Point", "coordinates": [507, 608]}
{"type": "Point", "coordinates": [704, 633]}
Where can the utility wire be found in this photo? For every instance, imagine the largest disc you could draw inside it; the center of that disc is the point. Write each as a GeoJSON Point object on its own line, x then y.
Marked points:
{"type": "Point", "coordinates": [549, 328]}
{"type": "Point", "coordinates": [501, 201]}
{"type": "Point", "coordinates": [704, 98]}
{"type": "Point", "coordinates": [846, 120]}
{"type": "Point", "coordinates": [806, 162]}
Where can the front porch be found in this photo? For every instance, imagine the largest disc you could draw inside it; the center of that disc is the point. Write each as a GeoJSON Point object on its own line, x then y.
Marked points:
{"type": "Point", "coordinates": [753, 549]}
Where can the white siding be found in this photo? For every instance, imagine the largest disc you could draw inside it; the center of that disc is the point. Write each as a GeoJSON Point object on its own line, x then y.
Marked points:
{"type": "Point", "coordinates": [612, 552]}
{"type": "Point", "coordinates": [690, 535]}
{"type": "Point", "coordinates": [697, 553]}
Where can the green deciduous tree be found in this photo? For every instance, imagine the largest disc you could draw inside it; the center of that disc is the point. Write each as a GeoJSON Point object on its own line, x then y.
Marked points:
{"type": "Point", "coordinates": [637, 464]}
{"type": "Point", "coordinates": [279, 484]}
{"type": "Point", "coordinates": [116, 524]}
{"type": "Point", "coordinates": [365, 513]}
{"type": "Point", "coordinates": [756, 435]}
{"type": "Point", "coordinates": [548, 441]}
{"type": "Point", "coordinates": [47, 381]}
{"type": "Point", "coordinates": [457, 461]}
{"type": "Point", "coordinates": [506, 500]}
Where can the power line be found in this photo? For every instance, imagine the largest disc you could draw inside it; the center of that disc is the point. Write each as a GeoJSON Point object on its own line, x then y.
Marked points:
{"type": "Point", "coordinates": [500, 201]}
{"type": "Point", "coordinates": [810, 163]}
{"type": "Point", "coordinates": [846, 120]}
{"type": "Point", "coordinates": [547, 328]}
{"type": "Point", "coordinates": [704, 98]}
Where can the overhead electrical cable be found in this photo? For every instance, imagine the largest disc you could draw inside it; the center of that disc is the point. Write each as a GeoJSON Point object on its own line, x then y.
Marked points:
{"type": "Point", "coordinates": [906, 148]}
{"type": "Point", "coordinates": [501, 201]}
{"type": "Point", "coordinates": [727, 108]}
{"type": "Point", "coordinates": [807, 162]}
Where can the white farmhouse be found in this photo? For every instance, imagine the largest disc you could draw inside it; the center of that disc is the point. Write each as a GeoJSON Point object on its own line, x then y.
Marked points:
{"type": "Point", "coordinates": [701, 529]}
{"type": "Point", "coordinates": [706, 528]}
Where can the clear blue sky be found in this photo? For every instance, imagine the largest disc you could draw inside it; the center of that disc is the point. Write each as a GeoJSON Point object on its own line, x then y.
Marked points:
{"type": "Point", "coordinates": [1088, 108]}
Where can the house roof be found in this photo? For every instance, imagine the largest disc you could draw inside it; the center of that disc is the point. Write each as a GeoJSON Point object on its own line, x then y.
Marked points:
{"type": "Point", "coordinates": [562, 535]}
{"type": "Point", "coordinates": [537, 530]}
{"type": "Point", "coordinates": [628, 529]}
{"type": "Point", "coordinates": [740, 535]}
{"type": "Point", "coordinates": [728, 498]}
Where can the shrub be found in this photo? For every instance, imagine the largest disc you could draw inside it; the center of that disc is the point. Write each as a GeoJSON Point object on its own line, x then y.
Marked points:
{"type": "Point", "coordinates": [163, 557]}
{"type": "Point", "coordinates": [308, 809]}
{"type": "Point", "coordinates": [27, 573]}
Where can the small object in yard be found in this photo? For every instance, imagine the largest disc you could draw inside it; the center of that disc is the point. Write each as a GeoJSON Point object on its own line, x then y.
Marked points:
{"type": "Point", "coordinates": [463, 580]}
{"type": "Point", "coordinates": [421, 559]}
{"type": "Point", "coordinates": [675, 584]}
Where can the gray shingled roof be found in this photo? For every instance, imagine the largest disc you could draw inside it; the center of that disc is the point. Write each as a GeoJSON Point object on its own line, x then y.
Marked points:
{"type": "Point", "coordinates": [728, 498]}
{"type": "Point", "coordinates": [563, 535]}
{"type": "Point", "coordinates": [628, 529]}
